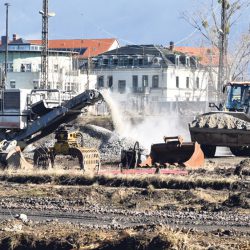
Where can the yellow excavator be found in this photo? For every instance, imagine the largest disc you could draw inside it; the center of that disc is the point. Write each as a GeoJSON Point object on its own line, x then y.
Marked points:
{"type": "Point", "coordinates": [68, 143]}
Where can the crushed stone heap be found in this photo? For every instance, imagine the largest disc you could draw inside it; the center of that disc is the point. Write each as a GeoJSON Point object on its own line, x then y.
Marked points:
{"type": "Point", "coordinates": [108, 143]}
{"type": "Point", "coordinates": [220, 121]}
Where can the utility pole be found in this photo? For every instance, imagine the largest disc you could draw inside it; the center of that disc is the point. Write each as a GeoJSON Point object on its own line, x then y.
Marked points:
{"type": "Point", "coordinates": [44, 54]}
{"type": "Point", "coordinates": [222, 48]}
{"type": "Point", "coordinates": [6, 47]}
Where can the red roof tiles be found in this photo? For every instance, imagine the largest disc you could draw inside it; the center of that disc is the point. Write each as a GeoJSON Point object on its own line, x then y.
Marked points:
{"type": "Point", "coordinates": [93, 47]}
{"type": "Point", "coordinates": [206, 56]}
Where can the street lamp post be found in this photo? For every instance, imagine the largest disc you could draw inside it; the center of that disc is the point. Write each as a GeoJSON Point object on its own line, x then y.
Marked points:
{"type": "Point", "coordinates": [6, 46]}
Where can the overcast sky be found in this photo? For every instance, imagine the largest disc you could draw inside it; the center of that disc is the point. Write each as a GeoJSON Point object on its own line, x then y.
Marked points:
{"type": "Point", "coordinates": [130, 21]}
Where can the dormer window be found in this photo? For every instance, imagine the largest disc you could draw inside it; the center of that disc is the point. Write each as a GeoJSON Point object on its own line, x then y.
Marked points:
{"type": "Point", "coordinates": [177, 60]}
{"type": "Point", "coordinates": [105, 61]}
{"type": "Point", "coordinates": [130, 61]}
{"type": "Point", "coordinates": [140, 61]}
{"type": "Point", "coordinates": [115, 60]}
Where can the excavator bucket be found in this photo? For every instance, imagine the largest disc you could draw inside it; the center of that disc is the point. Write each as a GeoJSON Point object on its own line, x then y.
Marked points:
{"type": "Point", "coordinates": [175, 152]}
{"type": "Point", "coordinates": [14, 158]}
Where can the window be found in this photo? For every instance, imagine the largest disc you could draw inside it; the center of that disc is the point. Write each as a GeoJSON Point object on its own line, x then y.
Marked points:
{"type": "Point", "coordinates": [28, 67]}
{"type": "Point", "coordinates": [187, 82]}
{"type": "Point", "coordinates": [121, 61]}
{"type": "Point", "coordinates": [135, 84]}
{"type": "Point", "coordinates": [110, 81]}
{"type": "Point", "coordinates": [187, 61]}
{"type": "Point", "coordinates": [10, 67]}
{"type": "Point", "coordinates": [12, 84]}
{"type": "Point", "coordinates": [177, 82]}
{"type": "Point", "coordinates": [22, 68]}
{"type": "Point", "coordinates": [68, 86]}
{"type": "Point", "coordinates": [25, 67]}
{"type": "Point", "coordinates": [136, 61]}
{"type": "Point", "coordinates": [197, 82]}
{"type": "Point", "coordinates": [130, 61]}
{"type": "Point", "coordinates": [125, 61]}
{"type": "Point", "coordinates": [36, 83]}
{"type": "Point", "coordinates": [100, 82]}
{"type": "Point", "coordinates": [121, 86]}
{"type": "Point", "coordinates": [115, 61]}
{"type": "Point", "coordinates": [177, 60]}
{"type": "Point", "coordinates": [56, 67]}
{"type": "Point", "coordinates": [144, 81]}
{"type": "Point", "coordinates": [12, 100]}
{"type": "Point", "coordinates": [105, 61]}
{"type": "Point", "coordinates": [140, 61]}
{"type": "Point", "coordinates": [155, 81]}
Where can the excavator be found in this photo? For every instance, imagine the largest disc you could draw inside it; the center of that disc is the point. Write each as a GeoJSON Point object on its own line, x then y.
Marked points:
{"type": "Point", "coordinates": [228, 125]}
{"type": "Point", "coordinates": [29, 115]}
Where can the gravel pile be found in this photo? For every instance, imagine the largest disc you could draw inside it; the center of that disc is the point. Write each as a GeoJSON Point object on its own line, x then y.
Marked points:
{"type": "Point", "coordinates": [108, 143]}
{"type": "Point", "coordinates": [221, 121]}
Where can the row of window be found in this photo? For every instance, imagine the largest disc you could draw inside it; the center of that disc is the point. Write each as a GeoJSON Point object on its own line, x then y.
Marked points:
{"type": "Point", "coordinates": [197, 82]}
{"type": "Point", "coordinates": [25, 47]}
{"type": "Point", "coordinates": [135, 83]}
{"type": "Point", "coordinates": [69, 86]}
{"type": "Point", "coordinates": [144, 83]}
{"type": "Point", "coordinates": [26, 67]}
{"type": "Point", "coordinates": [122, 61]}
{"type": "Point", "coordinates": [140, 61]}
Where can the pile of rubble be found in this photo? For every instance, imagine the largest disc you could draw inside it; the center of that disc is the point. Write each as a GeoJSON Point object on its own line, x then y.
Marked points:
{"type": "Point", "coordinates": [108, 143]}
{"type": "Point", "coordinates": [220, 121]}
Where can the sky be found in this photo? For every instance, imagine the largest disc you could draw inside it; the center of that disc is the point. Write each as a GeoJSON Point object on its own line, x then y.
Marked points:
{"type": "Point", "coordinates": [130, 21]}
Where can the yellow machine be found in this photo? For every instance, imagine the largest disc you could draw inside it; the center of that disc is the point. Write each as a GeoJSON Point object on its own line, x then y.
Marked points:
{"type": "Point", "coordinates": [69, 143]}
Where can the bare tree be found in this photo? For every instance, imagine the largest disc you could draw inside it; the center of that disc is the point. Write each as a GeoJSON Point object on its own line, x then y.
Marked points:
{"type": "Point", "coordinates": [216, 24]}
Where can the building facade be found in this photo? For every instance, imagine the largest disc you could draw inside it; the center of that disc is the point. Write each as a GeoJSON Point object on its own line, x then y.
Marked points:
{"type": "Point", "coordinates": [24, 68]}
{"type": "Point", "coordinates": [149, 77]}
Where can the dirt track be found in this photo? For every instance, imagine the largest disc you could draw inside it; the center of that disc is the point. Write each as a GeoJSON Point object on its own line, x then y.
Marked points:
{"type": "Point", "coordinates": [100, 205]}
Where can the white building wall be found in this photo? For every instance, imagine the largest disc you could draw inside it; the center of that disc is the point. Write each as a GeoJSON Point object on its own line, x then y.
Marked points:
{"type": "Point", "coordinates": [60, 73]}
{"type": "Point", "coordinates": [167, 91]}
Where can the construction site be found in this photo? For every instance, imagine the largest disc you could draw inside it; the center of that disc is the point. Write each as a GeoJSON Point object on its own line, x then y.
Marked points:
{"type": "Point", "coordinates": [74, 179]}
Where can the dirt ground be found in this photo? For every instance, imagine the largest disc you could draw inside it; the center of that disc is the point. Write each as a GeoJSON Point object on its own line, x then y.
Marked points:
{"type": "Point", "coordinates": [207, 209]}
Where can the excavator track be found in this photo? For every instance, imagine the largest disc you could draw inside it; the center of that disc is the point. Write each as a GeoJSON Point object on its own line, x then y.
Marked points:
{"type": "Point", "coordinates": [41, 158]}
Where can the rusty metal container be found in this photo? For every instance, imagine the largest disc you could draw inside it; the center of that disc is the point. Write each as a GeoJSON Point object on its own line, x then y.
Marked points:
{"type": "Point", "coordinates": [175, 152]}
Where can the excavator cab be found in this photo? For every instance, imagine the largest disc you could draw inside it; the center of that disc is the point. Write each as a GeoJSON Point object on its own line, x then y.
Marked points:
{"type": "Point", "coordinates": [238, 96]}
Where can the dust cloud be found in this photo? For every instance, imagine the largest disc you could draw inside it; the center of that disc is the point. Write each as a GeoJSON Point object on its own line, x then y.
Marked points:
{"type": "Point", "coordinates": [148, 129]}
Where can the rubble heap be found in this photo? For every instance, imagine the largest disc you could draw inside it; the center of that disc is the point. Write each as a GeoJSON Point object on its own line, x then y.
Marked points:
{"type": "Point", "coordinates": [108, 143]}
{"type": "Point", "coordinates": [220, 121]}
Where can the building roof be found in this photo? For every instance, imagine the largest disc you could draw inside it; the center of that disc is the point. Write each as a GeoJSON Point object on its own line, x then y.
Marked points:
{"type": "Point", "coordinates": [149, 49]}
{"type": "Point", "coordinates": [154, 53]}
{"type": "Point", "coordinates": [86, 47]}
{"type": "Point", "coordinates": [206, 56]}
